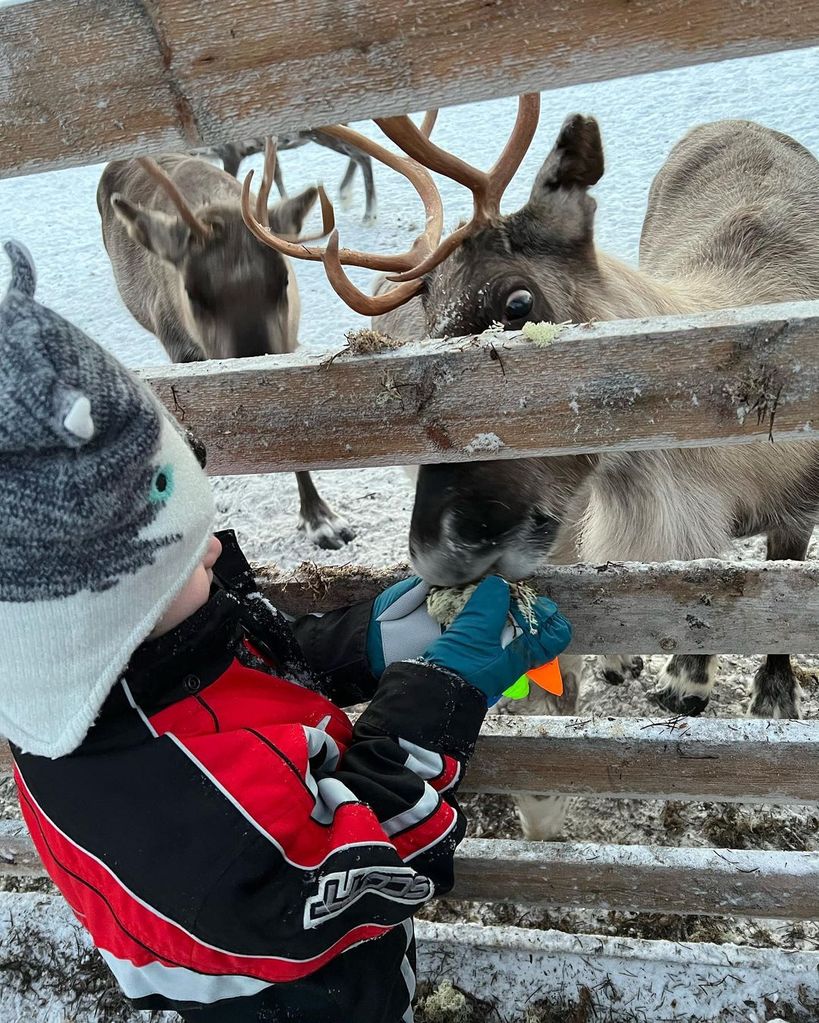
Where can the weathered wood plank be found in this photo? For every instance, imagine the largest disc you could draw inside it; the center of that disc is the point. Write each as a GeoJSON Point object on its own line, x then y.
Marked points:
{"type": "Point", "coordinates": [716, 607]}
{"type": "Point", "coordinates": [507, 967]}
{"type": "Point", "coordinates": [783, 885]}
{"type": "Point", "coordinates": [737, 761]}
{"type": "Point", "coordinates": [218, 70]}
{"type": "Point", "coordinates": [731, 761]}
{"type": "Point", "coordinates": [636, 878]}
{"type": "Point", "coordinates": [630, 979]}
{"type": "Point", "coordinates": [665, 383]}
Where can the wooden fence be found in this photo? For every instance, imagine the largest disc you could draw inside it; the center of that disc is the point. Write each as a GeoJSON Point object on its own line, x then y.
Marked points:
{"type": "Point", "coordinates": [82, 81]}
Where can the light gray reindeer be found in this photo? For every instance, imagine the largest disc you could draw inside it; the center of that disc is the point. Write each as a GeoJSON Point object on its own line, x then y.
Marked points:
{"type": "Point", "coordinates": [733, 219]}
{"type": "Point", "coordinates": [190, 272]}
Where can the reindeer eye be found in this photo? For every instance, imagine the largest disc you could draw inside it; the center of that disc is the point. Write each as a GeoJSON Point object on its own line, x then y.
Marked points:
{"type": "Point", "coordinates": [518, 305]}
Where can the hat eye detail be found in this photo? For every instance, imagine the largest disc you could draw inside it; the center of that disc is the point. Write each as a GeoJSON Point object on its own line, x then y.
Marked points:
{"type": "Point", "coordinates": [161, 485]}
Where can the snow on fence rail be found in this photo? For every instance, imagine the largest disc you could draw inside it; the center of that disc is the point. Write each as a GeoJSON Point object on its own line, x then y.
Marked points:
{"type": "Point", "coordinates": [722, 377]}
{"type": "Point", "coordinates": [82, 81]}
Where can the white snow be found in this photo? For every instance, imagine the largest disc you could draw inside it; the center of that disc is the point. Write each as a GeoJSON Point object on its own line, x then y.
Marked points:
{"type": "Point", "coordinates": [484, 442]}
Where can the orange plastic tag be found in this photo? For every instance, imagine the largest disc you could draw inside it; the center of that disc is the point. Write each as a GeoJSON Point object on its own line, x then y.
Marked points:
{"type": "Point", "coordinates": [548, 677]}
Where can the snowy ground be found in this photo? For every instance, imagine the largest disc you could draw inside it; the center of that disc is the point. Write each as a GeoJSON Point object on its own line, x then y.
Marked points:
{"type": "Point", "coordinates": [55, 216]}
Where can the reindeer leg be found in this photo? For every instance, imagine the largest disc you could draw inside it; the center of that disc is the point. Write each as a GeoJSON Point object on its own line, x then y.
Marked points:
{"type": "Point", "coordinates": [318, 520]}
{"type": "Point", "coordinates": [370, 208]}
{"type": "Point", "coordinates": [616, 668]}
{"type": "Point", "coordinates": [686, 683]}
{"type": "Point", "coordinates": [345, 189]}
{"type": "Point", "coordinates": [776, 692]}
{"type": "Point", "coordinates": [542, 817]}
{"type": "Point", "coordinates": [277, 177]}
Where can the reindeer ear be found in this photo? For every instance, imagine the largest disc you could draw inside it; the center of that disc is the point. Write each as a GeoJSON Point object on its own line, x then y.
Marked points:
{"type": "Point", "coordinates": [164, 235]}
{"type": "Point", "coordinates": [575, 164]}
{"type": "Point", "coordinates": [287, 217]}
{"type": "Point", "coordinates": [576, 159]}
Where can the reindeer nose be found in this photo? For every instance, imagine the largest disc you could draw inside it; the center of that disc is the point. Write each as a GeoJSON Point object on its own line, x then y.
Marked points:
{"type": "Point", "coordinates": [440, 567]}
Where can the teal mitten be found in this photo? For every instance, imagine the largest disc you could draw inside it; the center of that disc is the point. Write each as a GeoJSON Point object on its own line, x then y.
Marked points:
{"type": "Point", "coordinates": [400, 627]}
{"type": "Point", "coordinates": [487, 651]}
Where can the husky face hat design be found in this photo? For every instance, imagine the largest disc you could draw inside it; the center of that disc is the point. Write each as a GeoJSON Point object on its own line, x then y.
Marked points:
{"type": "Point", "coordinates": [104, 515]}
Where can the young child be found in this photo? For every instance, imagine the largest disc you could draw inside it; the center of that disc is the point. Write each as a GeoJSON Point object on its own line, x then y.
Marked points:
{"type": "Point", "coordinates": [237, 850]}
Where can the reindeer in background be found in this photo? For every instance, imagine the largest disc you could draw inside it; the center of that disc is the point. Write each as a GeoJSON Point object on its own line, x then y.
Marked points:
{"type": "Point", "coordinates": [189, 271]}
{"type": "Point", "coordinates": [733, 219]}
{"type": "Point", "coordinates": [232, 153]}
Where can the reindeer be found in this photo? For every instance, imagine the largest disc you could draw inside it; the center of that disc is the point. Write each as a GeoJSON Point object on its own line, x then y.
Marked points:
{"type": "Point", "coordinates": [232, 153]}
{"type": "Point", "coordinates": [189, 271]}
{"type": "Point", "coordinates": [732, 219]}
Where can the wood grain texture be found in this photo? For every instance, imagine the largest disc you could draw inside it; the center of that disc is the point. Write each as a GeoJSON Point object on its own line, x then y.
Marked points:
{"type": "Point", "coordinates": [730, 761]}
{"type": "Point", "coordinates": [647, 879]}
{"type": "Point", "coordinates": [219, 70]}
{"type": "Point", "coordinates": [680, 381]}
{"type": "Point", "coordinates": [574, 875]}
{"type": "Point", "coordinates": [716, 607]}
{"type": "Point", "coordinates": [736, 761]}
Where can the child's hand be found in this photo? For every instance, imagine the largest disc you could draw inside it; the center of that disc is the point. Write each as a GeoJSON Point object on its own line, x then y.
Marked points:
{"type": "Point", "coordinates": [486, 651]}
{"type": "Point", "coordinates": [400, 627]}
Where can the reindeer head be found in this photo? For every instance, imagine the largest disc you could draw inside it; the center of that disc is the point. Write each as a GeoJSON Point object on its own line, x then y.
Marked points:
{"type": "Point", "coordinates": [232, 292]}
{"type": "Point", "coordinates": [535, 264]}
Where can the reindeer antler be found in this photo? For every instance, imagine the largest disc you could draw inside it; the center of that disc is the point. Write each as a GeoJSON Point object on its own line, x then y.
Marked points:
{"type": "Point", "coordinates": [487, 187]}
{"type": "Point", "coordinates": [334, 258]}
{"type": "Point", "coordinates": [268, 174]}
{"type": "Point", "coordinates": [152, 168]}
{"type": "Point", "coordinates": [428, 250]}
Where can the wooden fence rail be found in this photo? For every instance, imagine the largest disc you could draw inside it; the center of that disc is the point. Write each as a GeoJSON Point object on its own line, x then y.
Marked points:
{"type": "Point", "coordinates": [729, 761]}
{"type": "Point", "coordinates": [706, 606]}
{"type": "Point", "coordinates": [723, 377]}
{"type": "Point", "coordinates": [635, 878]}
{"type": "Point", "coordinates": [588, 875]}
{"type": "Point", "coordinates": [82, 81]}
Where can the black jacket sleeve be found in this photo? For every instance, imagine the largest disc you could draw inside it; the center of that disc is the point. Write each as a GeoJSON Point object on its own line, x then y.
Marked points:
{"type": "Point", "coordinates": [327, 652]}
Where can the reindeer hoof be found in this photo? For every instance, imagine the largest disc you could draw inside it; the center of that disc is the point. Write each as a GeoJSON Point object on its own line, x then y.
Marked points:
{"type": "Point", "coordinates": [776, 692]}
{"type": "Point", "coordinates": [616, 670]}
{"type": "Point", "coordinates": [763, 706]}
{"type": "Point", "coordinates": [330, 534]}
{"type": "Point", "coordinates": [674, 702]}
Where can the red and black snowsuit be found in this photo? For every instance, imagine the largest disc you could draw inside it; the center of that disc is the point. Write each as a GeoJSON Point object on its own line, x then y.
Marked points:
{"type": "Point", "coordinates": [225, 834]}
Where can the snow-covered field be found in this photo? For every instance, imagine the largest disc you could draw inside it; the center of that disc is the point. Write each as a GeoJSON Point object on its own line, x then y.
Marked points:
{"type": "Point", "coordinates": [55, 215]}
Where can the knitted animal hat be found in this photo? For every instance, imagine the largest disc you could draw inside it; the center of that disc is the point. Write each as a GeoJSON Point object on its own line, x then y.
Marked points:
{"type": "Point", "coordinates": [104, 515]}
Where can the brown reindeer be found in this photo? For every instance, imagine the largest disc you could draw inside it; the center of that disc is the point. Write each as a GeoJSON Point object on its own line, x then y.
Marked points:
{"type": "Point", "coordinates": [733, 219]}
{"type": "Point", "coordinates": [189, 271]}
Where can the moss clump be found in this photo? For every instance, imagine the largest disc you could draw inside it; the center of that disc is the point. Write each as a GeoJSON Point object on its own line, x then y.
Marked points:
{"type": "Point", "coordinates": [543, 333]}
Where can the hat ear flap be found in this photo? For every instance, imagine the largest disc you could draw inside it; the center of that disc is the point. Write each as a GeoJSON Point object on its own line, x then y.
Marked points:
{"type": "Point", "coordinates": [23, 274]}
{"type": "Point", "coordinates": [76, 420]}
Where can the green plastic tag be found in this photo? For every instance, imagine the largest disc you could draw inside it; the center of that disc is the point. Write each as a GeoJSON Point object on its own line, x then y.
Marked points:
{"type": "Point", "coordinates": [518, 690]}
